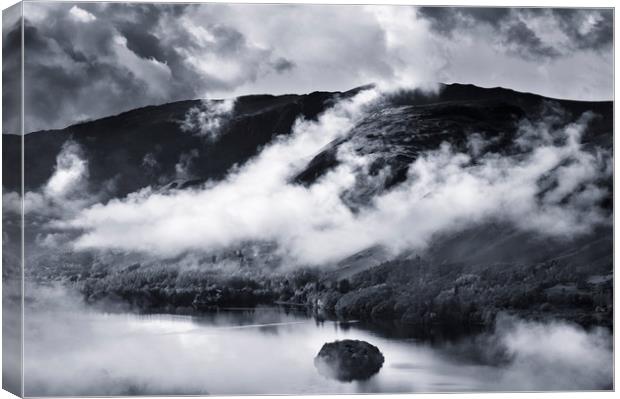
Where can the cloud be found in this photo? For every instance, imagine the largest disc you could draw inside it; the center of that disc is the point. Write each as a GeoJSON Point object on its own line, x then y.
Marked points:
{"type": "Point", "coordinates": [70, 174]}
{"type": "Point", "coordinates": [549, 186]}
{"type": "Point", "coordinates": [587, 29]}
{"type": "Point", "coordinates": [81, 15]}
{"type": "Point", "coordinates": [65, 193]}
{"type": "Point", "coordinates": [127, 56]}
{"type": "Point", "coordinates": [11, 70]}
{"type": "Point", "coordinates": [554, 355]}
{"type": "Point", "coordinates": [527, 32]}
{"type": "Point", "coordinates": [131, 55]}
{"type": "Point", "coordinates": [183, 167]}
{"type": "Point", "coordinates": [283, 65]}
{"type": "Point", "coordinates": [520, 39]}
{"type": "Point", "coordinates": [208, 119]}
{"type": "Point", "coordinates": [241, 208]}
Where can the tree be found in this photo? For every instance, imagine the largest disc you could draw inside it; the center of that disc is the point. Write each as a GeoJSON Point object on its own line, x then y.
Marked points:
{"type": "Point", "coordinates": [344, 286]}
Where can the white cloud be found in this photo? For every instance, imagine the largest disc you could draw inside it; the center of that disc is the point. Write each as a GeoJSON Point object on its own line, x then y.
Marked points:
{"type": "Point", "coordinates": [208, 119]}
{"type": "Point", "coordinates": [63, 194]}
{"type": "Point", "coordinates": [407, 38]}
{"type": "Point", "coordinates": [553, 355]}
{"type": "Point", "coordinates": [70, 174]}
{"type": "Point", "coordinates": [226, 50]}
{"type": "Point", "coordinates": [255, 202]}
{"type": "Point", "coordinates": [81, 15]}
{"type": "Point", "coordinates": [393, 46]}
{"type": "Point", "coordinates": [313, 225]}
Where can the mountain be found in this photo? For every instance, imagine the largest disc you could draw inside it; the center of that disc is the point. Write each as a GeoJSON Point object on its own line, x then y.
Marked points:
{"type": "Point", "coordinates": [143, 147]}
{"type": "Point", "coordinates": [412, 123]}
{"type": "Point", "coordinates": [118, 148]}
{"type": "Point", "coordinates": [468, 274]}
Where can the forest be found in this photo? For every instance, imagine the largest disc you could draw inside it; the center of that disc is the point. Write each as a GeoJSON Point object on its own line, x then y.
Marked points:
{"type": "Point", "coordinates": [408, 291]}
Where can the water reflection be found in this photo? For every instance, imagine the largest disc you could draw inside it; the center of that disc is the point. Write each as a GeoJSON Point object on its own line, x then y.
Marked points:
{"type": "Point", "coordinates": [271, 351]}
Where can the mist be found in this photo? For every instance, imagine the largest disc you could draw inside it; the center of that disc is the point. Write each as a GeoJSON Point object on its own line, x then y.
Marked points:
{"type": "Point", "coordinates": [547, 184]}
{"type": "Point", "coordinates": [112, 354]}
{"type": "Point", "coordinates": [208, 119]}
{"type": "Point", "coordinates": [66, 191]}
{"type": "Point", "coordinates": [555, 355]}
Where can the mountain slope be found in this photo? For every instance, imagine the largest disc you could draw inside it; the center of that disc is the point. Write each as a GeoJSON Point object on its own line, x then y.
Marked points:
{"type": "Point", "coordinates": [143, 147]}
{"type": "Point", "coordinates": [146, 146]}
{"type": "Point", "coordinates": [410, 124]}
{"type": "Point", "coordinates": [466, 274]}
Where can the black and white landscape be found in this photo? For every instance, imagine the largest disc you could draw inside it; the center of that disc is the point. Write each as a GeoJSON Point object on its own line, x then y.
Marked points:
{"type": "Point", "coordinates": [191, 227]}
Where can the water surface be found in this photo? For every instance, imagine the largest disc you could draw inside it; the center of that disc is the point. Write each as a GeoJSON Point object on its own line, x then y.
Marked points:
{"type": "Point", "coordinates": [79, 351]}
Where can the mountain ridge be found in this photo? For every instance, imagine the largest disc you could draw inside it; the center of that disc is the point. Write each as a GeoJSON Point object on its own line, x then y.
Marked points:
{"type": "Point", "coordinates": [496, 90]}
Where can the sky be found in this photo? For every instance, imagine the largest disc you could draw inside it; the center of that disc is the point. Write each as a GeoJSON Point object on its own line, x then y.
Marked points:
{"type": "Point", "coordinates": [89, 60]}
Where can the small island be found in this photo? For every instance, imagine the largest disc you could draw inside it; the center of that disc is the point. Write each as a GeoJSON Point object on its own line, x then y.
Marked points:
{"type": "Point", "coordinates": [349, 360]}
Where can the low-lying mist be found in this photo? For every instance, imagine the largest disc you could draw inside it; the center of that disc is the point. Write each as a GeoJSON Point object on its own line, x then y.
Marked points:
{"type": "Point", "coordinates": [556, 355]}
{"type": "Point", "coordinates": [72, 350]}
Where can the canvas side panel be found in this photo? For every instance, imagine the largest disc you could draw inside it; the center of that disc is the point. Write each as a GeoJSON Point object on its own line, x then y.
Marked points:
{"type": "Point", "coordinates": [12, 193]}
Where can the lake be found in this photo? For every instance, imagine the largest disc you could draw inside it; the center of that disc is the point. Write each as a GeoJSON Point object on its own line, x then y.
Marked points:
{"type": "Point", "coordinates": [75, 350]}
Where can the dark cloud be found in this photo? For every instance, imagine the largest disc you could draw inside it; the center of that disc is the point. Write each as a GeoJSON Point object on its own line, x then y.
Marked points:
{"type": "Point", "coordinates": [11, 70]}
{"type": "Point", "coordinates": [526, 43]}
{"type": "Point", "coordinates": [93, 60]}
{"type": "Point", "coordinates": [585, 29]}
{"type": "Point", "coordinates": [60, 78]}
{"type": "Point", "coordinates": [447, 20]}
{"type": "Point", "coordinates": [588, 29]}
{"type": "Point", "coordinates": [283, 65]}
{"type": "Point", "coordinates": [143, 43]}
{"type": "Point", "coordinates": [89, 60]}
{"type": "Point", "coordinates": [490, 15]}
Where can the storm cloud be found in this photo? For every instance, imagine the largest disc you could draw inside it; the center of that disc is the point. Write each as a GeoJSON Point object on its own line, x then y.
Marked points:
{"type": "Point", "coordinates": [89, 60]}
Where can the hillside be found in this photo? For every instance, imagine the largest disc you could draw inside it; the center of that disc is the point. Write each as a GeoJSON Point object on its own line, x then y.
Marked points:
{"type": "Point", "coordinates": [141, 147]}
{"type": "Point", "coordinates": [116, 146]}
{"type": "Point", "coordinates": [464, 276]}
